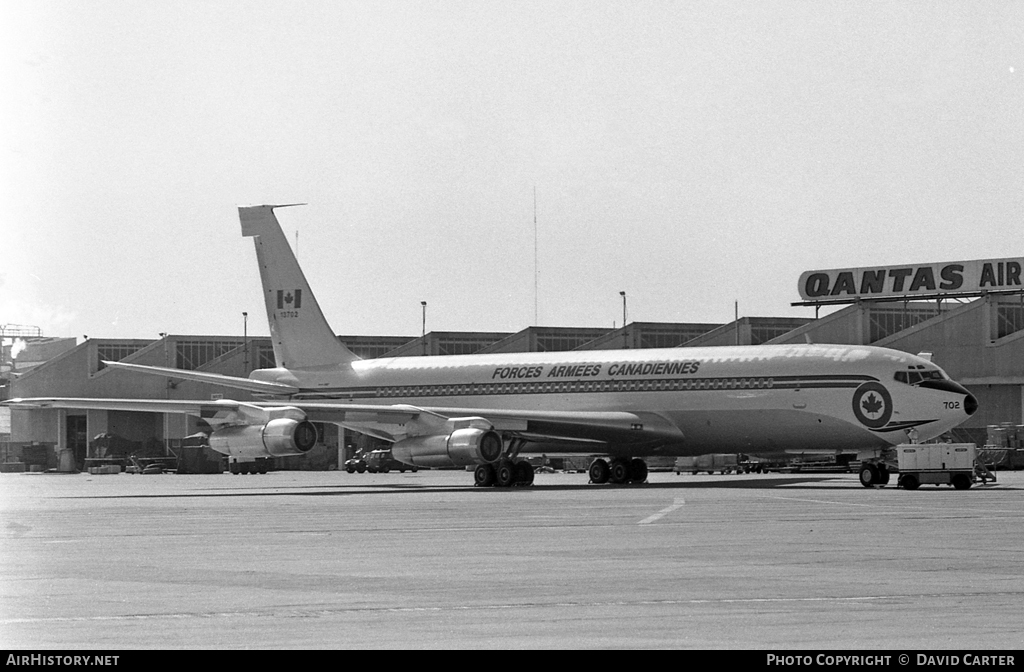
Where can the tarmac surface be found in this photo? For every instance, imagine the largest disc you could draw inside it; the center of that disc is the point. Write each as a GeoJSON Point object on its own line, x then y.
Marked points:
{"type": "Point", "coordinates": [335, 560]}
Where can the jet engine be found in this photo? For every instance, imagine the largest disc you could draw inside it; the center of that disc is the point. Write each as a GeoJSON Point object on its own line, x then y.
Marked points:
{"type": "Point", "coordinates": [277, 438]}
{"type": "Point", "coordinates": [461, 448]}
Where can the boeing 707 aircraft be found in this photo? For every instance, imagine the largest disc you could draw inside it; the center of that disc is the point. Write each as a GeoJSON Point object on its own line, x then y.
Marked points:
{"type": "Point", "coordinates": [487, 410]}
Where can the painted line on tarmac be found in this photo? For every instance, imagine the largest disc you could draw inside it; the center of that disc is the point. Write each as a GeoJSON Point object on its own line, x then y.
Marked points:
{"type": "Point", "coordinates": [678, 504]}
{"type": "Point", "coordinates": [959, 512]}
{"type": "Point", "coordinates": [328, 611]}
{"type": "Point", "coordinates": [821, 501]}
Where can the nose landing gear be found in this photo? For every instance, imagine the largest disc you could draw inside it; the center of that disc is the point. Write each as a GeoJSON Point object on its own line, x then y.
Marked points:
{"type": "Point", "coordinates": [872, 474]}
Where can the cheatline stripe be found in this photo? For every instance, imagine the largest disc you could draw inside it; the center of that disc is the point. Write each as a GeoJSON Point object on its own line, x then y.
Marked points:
{"type": "Point", "coordinates": [726, 383]}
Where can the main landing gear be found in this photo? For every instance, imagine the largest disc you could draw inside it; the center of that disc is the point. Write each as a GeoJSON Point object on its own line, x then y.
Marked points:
{"type": "Point", "coordinates": [504, 473]}
{"type": "Point", "coordinates": [621, 470]}
{"type": "Point", "coordinates": [507, 471]}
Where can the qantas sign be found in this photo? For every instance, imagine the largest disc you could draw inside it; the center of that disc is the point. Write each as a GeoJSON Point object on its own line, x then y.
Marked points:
{"type": "Point", "coordinates": [912, 281]}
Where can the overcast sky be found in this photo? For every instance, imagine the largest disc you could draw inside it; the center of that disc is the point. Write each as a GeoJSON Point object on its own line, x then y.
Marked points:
{"type": "Point", "coordinates": [691, 154]}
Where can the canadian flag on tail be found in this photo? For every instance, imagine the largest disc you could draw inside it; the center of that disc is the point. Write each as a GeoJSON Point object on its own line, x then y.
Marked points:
{"type": "Point", "coordinates": [289, 298]}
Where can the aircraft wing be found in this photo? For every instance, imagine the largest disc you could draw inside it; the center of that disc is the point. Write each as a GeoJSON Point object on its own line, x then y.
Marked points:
{"type": "Point", "coordinates": [395, 414]}
{"type": "Point", "coordinates": [405, 420]}
{"type": "Point", "coordinates": [398, 420]}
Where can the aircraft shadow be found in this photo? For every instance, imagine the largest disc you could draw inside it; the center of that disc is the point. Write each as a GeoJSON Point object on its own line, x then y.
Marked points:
{"type": "Point", "coordinates": [822, 483]}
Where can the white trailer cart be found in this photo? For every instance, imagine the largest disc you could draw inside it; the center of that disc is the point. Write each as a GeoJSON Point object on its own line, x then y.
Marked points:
{"type": "Point", "coordinates": [939, 464]}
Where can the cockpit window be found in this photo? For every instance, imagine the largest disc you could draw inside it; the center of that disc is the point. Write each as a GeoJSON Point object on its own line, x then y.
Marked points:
{"type": "Point", "coordinates": [916, 377]}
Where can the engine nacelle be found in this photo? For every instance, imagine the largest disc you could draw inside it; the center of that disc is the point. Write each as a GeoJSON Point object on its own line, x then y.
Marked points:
{"type": "Point", "coordinates": [277, 438]}
{"type": "Point", "coordinates": [461, 448]}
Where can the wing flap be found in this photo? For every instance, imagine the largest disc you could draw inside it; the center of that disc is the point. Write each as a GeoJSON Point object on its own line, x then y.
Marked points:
{"type": "Point", "coordinates": [617, 426]}
{"type": "Point", "coordinates": [590, 426]}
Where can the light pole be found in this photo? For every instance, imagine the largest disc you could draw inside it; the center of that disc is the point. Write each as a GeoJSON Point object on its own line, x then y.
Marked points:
{"type": "Point", "coordinates": [625, 343]}
{"type": "Point", "coordinates": [245, 342]}
{"type": "Point", "coordinates": [423, 336]}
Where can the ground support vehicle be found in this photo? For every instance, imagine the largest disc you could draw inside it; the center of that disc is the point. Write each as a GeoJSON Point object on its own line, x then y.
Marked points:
{"type": "Point", "coordinates": [254, 465]}
{"type": "Point", "coordinates": [953, 464]}
{"type": "Point", "coordinates": [355, 464]}
{"type": "Point", "coordinates": [724, 463]}
{"type": "Point", "coordinates": [918, 464]}
{"type": "Point", "coordinates": [377, 461]}
{"type": "Point", "coordinates": [151, 465]}
{"type": "Point", "coordinates": [381, 461]}
{"type": "Point", "coordinates": [822, 464]}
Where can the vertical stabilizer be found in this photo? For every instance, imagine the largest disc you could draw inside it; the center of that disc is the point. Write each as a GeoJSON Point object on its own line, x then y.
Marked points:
{"type": "Point", "coordinates": [300, 333]}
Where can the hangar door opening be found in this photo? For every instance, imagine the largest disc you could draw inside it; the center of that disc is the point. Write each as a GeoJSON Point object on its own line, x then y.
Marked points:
{"type": "Point", "coordinates": [77, 439]}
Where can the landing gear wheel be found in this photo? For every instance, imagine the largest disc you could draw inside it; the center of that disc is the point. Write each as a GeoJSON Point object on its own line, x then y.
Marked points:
{"type": "Point", "coordinates": [524, 473]}
{"type": "Point", "coordinates": [619, 472]}
{"type": "Point", "coordinates": [883, 474]}
{"type": "Point", "coordinates": [909, 482]}
{"type": "Point", "coordinates": [868, 475]}
{"type": "Point", "coordinates": [484, 475]}
{"type": "Point", "coordinates": [637, 470]}
{"type": "Point", "coordinates": [599, 471]}
{"type": "Point", "coordinates": [505, 474]}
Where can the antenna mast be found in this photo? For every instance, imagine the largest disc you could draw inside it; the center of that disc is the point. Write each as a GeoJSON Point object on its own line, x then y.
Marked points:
{"type": "Point", "coordinates": [536, 271]}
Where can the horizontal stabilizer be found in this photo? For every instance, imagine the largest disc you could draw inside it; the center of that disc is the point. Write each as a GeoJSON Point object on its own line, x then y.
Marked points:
{"type": "Point", "coordinates": [136, 405]}
{"type": "Point", "coordinates": [263, 387]}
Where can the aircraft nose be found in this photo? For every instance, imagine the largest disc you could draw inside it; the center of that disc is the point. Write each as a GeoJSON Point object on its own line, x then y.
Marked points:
{"type": "Point", "coordinates": [970, 401]}
{"type": "Point", "coordinates": [970, 404]}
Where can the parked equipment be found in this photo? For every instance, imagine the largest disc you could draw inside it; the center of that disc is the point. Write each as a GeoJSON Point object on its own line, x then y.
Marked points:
{"type": "Point", "coordinates": [919, 464]}
{"type": "Point", "coordinates": [724, 463]}
{"type": "Point", "coordinates": [377, 461]}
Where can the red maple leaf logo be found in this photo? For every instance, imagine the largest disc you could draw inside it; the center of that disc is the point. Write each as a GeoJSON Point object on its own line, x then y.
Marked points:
{"type": "Point", "coordinates": [871, 404]}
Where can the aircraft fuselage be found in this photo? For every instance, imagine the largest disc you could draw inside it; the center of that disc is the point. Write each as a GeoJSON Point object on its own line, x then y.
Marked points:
{"type": "Point", "coordinates": [742, 398]}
